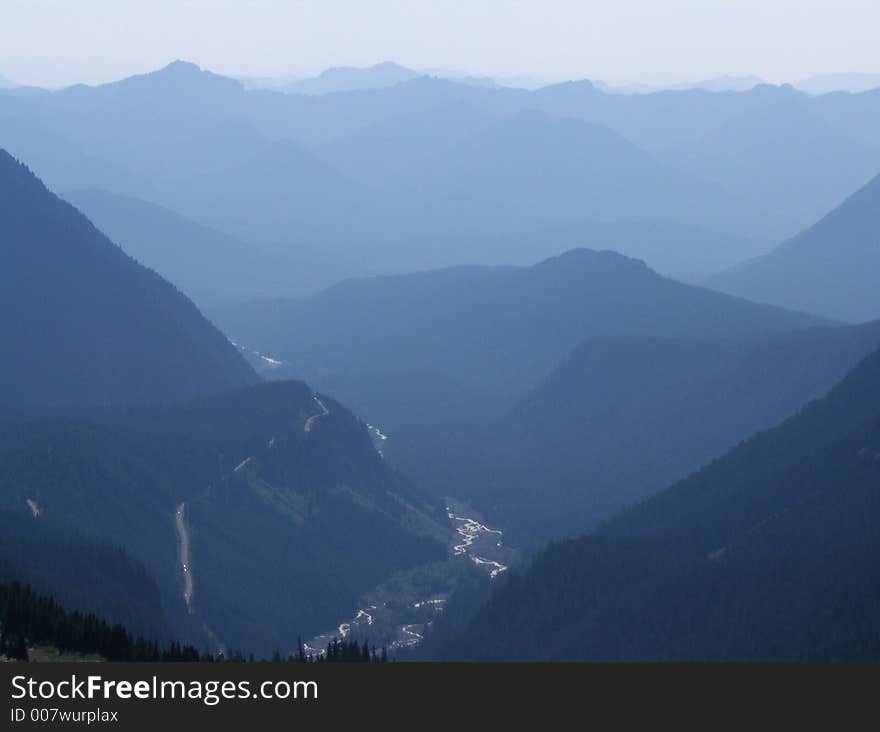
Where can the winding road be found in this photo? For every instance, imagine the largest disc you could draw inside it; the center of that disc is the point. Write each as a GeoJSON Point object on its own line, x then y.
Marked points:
{"type": "Point", "coordinates": [183, 551]}
{"type": "Point", "coordinates": [310, 422]}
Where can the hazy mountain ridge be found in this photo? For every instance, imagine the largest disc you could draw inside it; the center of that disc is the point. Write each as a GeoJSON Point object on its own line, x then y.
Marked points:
{"type": "Point", "coordinates": [830, 268]}
{"type": "Point", "coordinates": [348, 78]}
{"type": "Point", "coordinates": [212, 152]}
{"type": "Point", "coordinates": [553, 395]}
{"type": "Point", "coordinates": [84, 323]}
{"type": "Point", "coordinates": [179, 248]}
{"type": "Point", "coordinates": [491, 326]}
{"type": "Point", "coordinates": [828, 83]}
{"type": "Point", "coordinates": [760, 153]}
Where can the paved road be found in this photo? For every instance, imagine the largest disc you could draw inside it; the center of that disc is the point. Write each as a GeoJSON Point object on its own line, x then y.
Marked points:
{"type": "Point", "coordinates": [184, 554]}
{"type": "Point", "coordinates": [310, 422]}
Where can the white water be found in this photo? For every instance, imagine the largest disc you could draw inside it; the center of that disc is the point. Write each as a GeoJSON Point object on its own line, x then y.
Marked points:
{"type": "Point", "coordinates": [270, 363]}
{"type": "Point", "coordinates": [476, 540]}
{"type": "Point", "coordinates": [379, 438]}
{"type": "Point", "coordinates": [472, 538]}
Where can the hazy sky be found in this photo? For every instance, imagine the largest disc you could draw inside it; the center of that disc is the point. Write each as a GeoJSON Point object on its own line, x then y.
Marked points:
{"type": "Point", "coordinates": [56, 42]}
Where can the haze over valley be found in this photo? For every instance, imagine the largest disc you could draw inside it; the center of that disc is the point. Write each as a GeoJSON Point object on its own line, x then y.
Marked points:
{"type": "Point", "coordinates": [441, 358]}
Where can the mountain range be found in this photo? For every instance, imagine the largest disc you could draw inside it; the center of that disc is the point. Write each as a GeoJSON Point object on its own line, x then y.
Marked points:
{"type": "Point", "coordinates": [554, 395]}
{"type": "Point", "coordinates": [685, 408]}
{"type": "Point", "coordinates": [378, 76]}
{"type": "Point", "coordinates": [497, 328]}
{"type": "Point", "coordinates": [407, 177]}
{"type": "Point", "coordinates": [716, 84]}
{"type": "Point", "coordinates": [348, 78]}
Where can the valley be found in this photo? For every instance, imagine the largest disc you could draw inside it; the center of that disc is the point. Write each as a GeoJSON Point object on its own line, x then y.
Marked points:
{"type": "Point", "coordinates": [484, 546]}
{"type": "Point", "coordinates": [457, 366]}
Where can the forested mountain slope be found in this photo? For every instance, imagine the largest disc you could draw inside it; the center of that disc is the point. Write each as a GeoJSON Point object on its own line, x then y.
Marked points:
{"type": "Point", "coordinates": [493, 328]}
{"type": "Point", "coordinates": [83, 323]}
{"type": "Point", "coordinates": [552, 395]}
{"type": "Point", "coordinates": [623, 417]}
{"type": "Point", "coordinates": [267, 491]}
{"type": "Point", "coordinates": [768, 553]}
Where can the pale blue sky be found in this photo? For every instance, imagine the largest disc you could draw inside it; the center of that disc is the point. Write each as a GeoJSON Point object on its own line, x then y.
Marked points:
{"type": "Point", "coordinates": [55, 42]}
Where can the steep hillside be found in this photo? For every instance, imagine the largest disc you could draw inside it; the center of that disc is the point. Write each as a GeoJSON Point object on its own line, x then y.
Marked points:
{"type": "Point", "coordinates": [263, 492]}
{"type": "Point", "coordinates": [83, 323]}
{"type": "Point", "coordinates": [768, 553]}
{"type": "Point", "coordinates": [622, 418]}
{"type": "Point", "coordinates": [830, 268]}
{"type": "Point", "coordinates": [53, 557]}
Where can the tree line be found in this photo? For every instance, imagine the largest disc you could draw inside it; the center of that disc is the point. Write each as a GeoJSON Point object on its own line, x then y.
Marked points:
{"type": "Point", "coordinates": [28, 618]}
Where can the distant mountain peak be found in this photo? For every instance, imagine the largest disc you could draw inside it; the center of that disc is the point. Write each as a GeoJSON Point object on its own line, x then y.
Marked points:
{"type": "Point", "coordinates": [179, 66]}
{"type": "Point", "coordinates": [581, 257]}
{"type": "Point", "coordinates": [781, 90]}
{"type": "Point", "coordinates": [581, 85]}
{"type": "Point", "coordinates": [390, 65]}
{"type": "Point", "coordinates": [350, 78]}
{"type": "Point", "coordinates": [177, 75]}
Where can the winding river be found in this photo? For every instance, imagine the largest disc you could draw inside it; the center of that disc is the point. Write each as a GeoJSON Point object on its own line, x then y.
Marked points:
{"type": "Point", "coordinates": [471, 537]}
{"type": "Point", "coordinates": [481, 543]}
